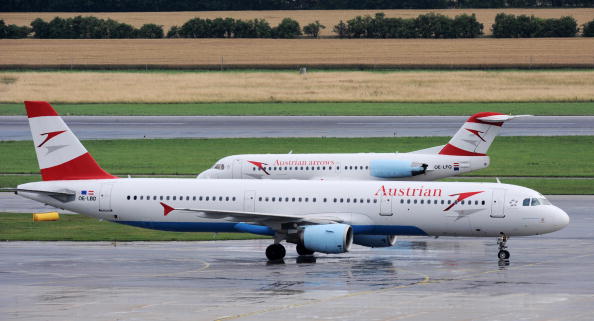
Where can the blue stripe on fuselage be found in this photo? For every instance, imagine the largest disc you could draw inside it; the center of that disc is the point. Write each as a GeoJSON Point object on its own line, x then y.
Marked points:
{"type": "Point", "coordinates": [230, 227]}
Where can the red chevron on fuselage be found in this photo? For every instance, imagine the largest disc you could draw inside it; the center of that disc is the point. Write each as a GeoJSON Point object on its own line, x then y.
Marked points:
{"type": "Point", "coordinates": [461, 197]}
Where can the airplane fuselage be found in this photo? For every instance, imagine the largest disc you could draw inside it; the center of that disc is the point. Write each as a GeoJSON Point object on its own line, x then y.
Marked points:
{"type": "Point", "coordinates": [361, 166]}
{"type": "Point", "coordinates": [374, 208]}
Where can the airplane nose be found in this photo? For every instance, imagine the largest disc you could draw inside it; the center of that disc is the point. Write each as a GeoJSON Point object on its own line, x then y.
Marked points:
{"type": "Point", "coordinates": [560, 218]}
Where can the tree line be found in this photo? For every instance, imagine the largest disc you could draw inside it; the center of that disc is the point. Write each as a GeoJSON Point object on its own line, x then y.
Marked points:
{"type": "Point", "coordinates": [429, 25]}
{"type": "Point", "coordinates": [218, 5]}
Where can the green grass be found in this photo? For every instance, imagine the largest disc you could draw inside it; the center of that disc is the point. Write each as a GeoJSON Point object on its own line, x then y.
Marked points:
{"type": "Point", "coordinates": [351, 108]}
{"type": "Point", "coordinates": [564, 156]}
{"type": "Point", "coordinates": [20, 227]}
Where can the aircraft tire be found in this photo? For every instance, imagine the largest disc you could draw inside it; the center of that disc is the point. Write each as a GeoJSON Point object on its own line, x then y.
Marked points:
{"type": "Point", "coordinates": [503, 255]}
{"type": "Point", "coordinates": [275, 252]}
{"type": "Point", "coordinates": [302, 250]}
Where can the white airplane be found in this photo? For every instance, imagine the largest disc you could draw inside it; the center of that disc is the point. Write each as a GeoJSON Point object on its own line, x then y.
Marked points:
{"type": "Point", "coordinates": [318, 216]}
{"type": "Point", "coordinates": [465, 152]}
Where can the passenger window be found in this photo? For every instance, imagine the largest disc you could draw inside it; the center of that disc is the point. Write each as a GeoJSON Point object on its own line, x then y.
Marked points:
{"type": "Point", "coordinates": [408, 201]}
{"type": "Point", "coordinates": [299, 199]}
{"type": "Point", "coordinates": [274, 199]}
{"type": "Point", "coordinates": [128, 197]}
{"type": "Point", "coordinates": [200, 198]}
{"type": "Point", "coordinates": [415, 201]}
{"type": "Point", "coordinates": [526, 202]}
{"type": "Point", "coordinates": [207, 198]}
{"type": "Point", "coordinates": [174, 198]}
{"type": "Point", "coordinates": [266, 199]}
{"type": "Point", "coordinates": [286, 199]}
{"type": "Point", "coordinates": [167, 197]}
{"type": "Point", "coordinates": [280, 199]}
{"type": "Point", "coordinates": [233, 198]}
{"type": "Point", "coordinates": [483, 203]}
{"type": "Point", "coordinates": [341, 200]}
{"type": "Point", "coordinates": [313, 200]}
{"type": "Point", "coordinates": [307, 199]}
{"type": "Point", "coordinates": [422, 201]}
{"type": "Point", "coordinates": [401, 201]}
{"type": "Point", "coordinates": [141, 197]}
{"type": "Point", "coordinates": [348, 200]}
{"type": "Point", "coordinates": [375, 200]}
{"type": "Point", "coordinates": [325, 200]}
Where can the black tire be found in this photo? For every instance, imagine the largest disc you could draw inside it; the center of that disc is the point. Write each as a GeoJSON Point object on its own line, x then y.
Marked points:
{"type": "Point", "coordinates": [302, 250]}
{"type": "Point", "coordinates": [275, 252]}
{"type": "Point", "coordinates": [503, 255]}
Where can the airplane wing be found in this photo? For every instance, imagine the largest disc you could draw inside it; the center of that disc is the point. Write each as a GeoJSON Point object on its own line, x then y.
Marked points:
{"type": "Point", "coordinates": [256, 217]}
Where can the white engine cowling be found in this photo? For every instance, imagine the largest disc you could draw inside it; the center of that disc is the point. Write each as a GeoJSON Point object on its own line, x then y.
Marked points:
{"type": "Point", "coordinates": [375, 240]}
{"type": "Point", "coordinates": [327, 238]}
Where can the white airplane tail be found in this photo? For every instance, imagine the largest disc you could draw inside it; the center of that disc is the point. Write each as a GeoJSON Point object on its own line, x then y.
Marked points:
{"type": "Point", "coordinates": [60, 154]}
{"type": "Point", "coordinates": [476, 135]}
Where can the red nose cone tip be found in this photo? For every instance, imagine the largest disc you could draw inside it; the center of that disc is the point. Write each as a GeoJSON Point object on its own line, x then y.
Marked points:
{"type": "Point", "coordinates": [39, 109]}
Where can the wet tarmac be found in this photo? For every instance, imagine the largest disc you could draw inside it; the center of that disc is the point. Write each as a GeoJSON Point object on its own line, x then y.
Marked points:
{"type": "Point", "coordinates": [120, 127]}
{"type": "Point", "coordinates": [549, 277]}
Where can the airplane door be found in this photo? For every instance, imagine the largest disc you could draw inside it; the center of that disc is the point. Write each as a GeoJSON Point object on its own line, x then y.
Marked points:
{"type": "Point", "coordinates": [105, 198]}
{"type": "Point", "coordinates": [249, 201]}
{"type": "Point", "coordinates": [236, 168]}
{"type": "Point", "coordinates": [386, 206]}
{"type": "Point", "coordinates": [497, 203]}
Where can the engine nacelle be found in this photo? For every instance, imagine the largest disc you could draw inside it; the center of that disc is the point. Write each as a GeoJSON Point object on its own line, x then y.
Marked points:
{"type": "Point", "coordinates": [327, 238]}
{"type": "Point", "coordinates": [375, 240]}
{"type": "Point", "coordinates": [392, 168]}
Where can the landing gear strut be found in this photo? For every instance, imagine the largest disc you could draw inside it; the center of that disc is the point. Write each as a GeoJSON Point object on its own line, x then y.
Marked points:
{"type": "Point", "coordinates": [502, 242]}
{"type": "Point", "coordinates": [275, 252]}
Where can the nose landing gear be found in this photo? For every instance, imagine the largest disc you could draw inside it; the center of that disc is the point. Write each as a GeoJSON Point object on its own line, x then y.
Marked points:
{"type": "Point", "coordinates": [502, 242]}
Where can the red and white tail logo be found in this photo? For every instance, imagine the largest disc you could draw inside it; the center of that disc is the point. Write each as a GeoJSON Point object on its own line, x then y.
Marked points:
{"type": "Point", "coordinates": [476, 135]}
{"type": "Point", "coordinates": [60, 154]}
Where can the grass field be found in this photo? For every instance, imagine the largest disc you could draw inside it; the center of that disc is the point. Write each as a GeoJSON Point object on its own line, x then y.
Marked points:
{"type": "Point", "coordinates": [293, 53]}
{"type": "Point", "coordinates": [312, 109]}
{"type": "Point", "coordinates": [347, 86]}
{"type": "Point", "coordinates": [564, 156]}
{"type": "Point", "coordinates": [20, 227]}
{"type": "Point", "coordinates": [329, 18]}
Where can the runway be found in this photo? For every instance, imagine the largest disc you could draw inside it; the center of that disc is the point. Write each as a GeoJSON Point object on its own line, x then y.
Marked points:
{"type": "Point", "coordinates": [119, 127]}
{"type": "Point", "coordinates": [549, 277]}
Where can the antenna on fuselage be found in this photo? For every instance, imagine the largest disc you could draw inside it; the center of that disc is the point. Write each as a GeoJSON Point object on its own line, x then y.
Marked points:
{"type": "Point", "coordinates": [291, 151]}
{"type": "Point", "coordinates": [497, 179]}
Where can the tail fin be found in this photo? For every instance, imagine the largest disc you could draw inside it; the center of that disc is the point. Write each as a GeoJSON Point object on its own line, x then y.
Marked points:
{"type": "Point", "coordinates": [476, 135]}
{"type": "Point", "coordinates": [60, 154]}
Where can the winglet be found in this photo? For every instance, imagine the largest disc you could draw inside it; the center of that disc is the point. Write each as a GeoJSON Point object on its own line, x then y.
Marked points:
{"type": "Point", "coordinates": [166, 208]}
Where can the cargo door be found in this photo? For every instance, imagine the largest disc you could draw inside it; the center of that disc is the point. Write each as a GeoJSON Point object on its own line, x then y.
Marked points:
{"type": "Point", "coordinates": [497, 203]}
{"type": "Point", "coordinates": [105, 198]}
{"type": "Point", "coordinates": [249, 201]}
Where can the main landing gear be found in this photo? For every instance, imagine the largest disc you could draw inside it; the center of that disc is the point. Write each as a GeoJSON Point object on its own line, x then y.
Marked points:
{"type": "Point", "coordinates": [502, 242]}
{"type": "Point", "coordinates": [276, 251]}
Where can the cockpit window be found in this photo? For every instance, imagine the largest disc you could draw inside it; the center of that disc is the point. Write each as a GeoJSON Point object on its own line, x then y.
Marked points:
{"type": "Point", "coordinates": [535, 201]}
{"type": "Point", "coordinates": [219, 166]}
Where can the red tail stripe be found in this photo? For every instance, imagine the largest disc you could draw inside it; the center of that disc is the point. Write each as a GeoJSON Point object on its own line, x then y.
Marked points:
{"type": "Point", "coordinates": [82, 167]}
{"type": "Point", "coordinates": [450, 149]}
{"type": "Point", "coordinates": [474, 118]}
{"type": "Point", "coordinates": [39, 109]}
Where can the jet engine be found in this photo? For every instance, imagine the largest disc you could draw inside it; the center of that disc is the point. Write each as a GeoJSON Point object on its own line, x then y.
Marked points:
{"type": "Point", "coordinates": [375, 240]}
{"type": "Point", "coordinates": [393, 168]}
{"type": "Point", "coordinates": [327, 238]}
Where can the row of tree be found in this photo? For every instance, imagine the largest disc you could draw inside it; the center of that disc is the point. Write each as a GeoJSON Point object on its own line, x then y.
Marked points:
{"type": "Point", "coordinates": [424, 26]}
{"type": "Point", "coordinates": [91, 28]}
{"type": "Point", "coordinates": [511, 26]}
{"type": "Point", "coordinates": [218, 5]}
{"type": "Point", "coordinates": [429, 25]}
{"type": "Point", "coordinates": [236, 28]}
